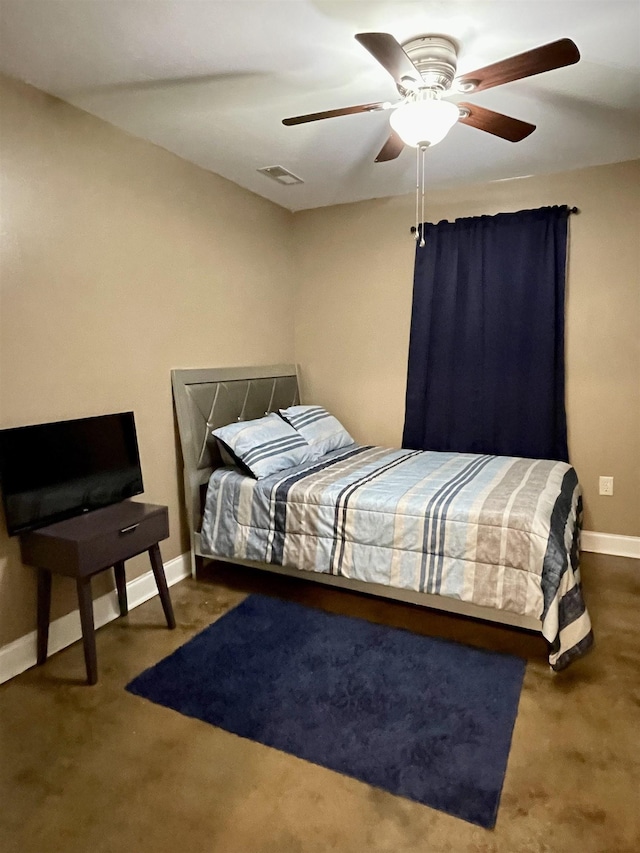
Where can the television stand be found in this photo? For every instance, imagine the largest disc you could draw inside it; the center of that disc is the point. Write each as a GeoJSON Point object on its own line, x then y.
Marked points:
{"type": "Point", "coordinates": [81, 547]}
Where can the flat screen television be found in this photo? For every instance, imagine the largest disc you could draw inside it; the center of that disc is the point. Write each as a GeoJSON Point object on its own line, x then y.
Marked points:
{"type": "Point", "coordinates": [49, 472]}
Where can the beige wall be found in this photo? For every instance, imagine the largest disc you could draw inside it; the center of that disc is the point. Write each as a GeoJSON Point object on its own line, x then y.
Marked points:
{"type": "Point", "coordinates": [119, 261]}
{"type": "Point", "coordinates": [354, 306]}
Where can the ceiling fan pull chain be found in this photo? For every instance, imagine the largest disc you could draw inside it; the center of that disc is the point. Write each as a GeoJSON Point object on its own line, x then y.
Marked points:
{"type": "Point", "coordinates": [420, 162]}
{"type": "Point", "coordinates": [417, 232]}
{"type": "Point", "coordinates": [424, 154]}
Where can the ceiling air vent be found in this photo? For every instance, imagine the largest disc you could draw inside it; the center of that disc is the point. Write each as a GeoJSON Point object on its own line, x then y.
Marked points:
{"type": "Point", "coordinates": [281, 175]}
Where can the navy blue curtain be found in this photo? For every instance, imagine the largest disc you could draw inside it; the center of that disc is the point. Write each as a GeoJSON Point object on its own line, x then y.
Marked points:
{"type": "Point", "coordinates": [486, 352]}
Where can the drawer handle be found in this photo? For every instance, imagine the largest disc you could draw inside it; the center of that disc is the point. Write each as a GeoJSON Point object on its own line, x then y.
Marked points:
{"type": "Point", "coordinates": [129, 529]}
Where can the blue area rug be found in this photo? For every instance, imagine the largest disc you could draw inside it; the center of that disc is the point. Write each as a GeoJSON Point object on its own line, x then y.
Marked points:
{"type": "Point", "coordinates": [420, 717]}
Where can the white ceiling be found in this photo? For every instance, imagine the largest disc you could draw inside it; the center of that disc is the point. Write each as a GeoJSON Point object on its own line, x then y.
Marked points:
{"type": "Point", "coordinates": [211, 80]}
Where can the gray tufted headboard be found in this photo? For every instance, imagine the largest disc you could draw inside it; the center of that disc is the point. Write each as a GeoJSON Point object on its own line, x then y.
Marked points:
{"type": "Point", "coordinates": [209, 398]}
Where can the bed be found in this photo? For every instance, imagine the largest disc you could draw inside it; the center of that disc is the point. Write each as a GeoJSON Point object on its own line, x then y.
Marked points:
{"type": "Point", "coordinates": [495, 538]}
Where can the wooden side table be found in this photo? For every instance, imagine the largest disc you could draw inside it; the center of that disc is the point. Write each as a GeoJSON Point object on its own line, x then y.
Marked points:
{"type": "Point", "coordinates": [83, 546]}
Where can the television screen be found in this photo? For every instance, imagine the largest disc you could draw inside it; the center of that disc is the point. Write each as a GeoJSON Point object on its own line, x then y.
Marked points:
{"type": "Point", "coordinates": [49, 472]}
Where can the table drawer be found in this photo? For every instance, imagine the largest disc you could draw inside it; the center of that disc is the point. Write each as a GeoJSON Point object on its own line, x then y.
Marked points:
{"type": "Point", "coordinates": [88, 543]}
{"type": "Point", "coordinates": [123, 542]}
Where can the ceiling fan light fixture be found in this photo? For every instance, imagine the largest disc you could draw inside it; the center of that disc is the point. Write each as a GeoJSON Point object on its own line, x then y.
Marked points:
{"type": "Point", "coordinates": [422, 123]}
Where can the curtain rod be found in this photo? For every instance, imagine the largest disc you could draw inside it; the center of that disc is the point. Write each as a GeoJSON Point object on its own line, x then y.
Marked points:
{"type": "Point", "coordinates": [570, 209]}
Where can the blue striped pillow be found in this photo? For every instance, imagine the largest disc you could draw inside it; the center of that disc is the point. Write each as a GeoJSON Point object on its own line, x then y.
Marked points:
{"type": "Point", "coordinates": [265, 445]}
{"type": "Point", "coordinates": [323, 431]}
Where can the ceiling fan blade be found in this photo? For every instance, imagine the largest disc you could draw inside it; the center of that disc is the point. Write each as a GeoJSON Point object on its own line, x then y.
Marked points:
{"type": "Point", "coordinates": [389, 53]}
{"type": "Point", "coordinates": [344, 111]}
{"type": "Point", "coordinates": [556, 54]}
{"type": "Point", "coordinates": [391, 149]}
{"type": "Point", "coordinates": [511, 129]}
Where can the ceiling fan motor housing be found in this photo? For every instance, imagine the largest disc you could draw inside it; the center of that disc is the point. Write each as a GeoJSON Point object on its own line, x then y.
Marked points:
{"type": "Point", "coordinates": [436, 59]}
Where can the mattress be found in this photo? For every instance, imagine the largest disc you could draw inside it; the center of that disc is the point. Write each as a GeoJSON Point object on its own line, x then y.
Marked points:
{"type": "Point", "coordinates": [500, 532]}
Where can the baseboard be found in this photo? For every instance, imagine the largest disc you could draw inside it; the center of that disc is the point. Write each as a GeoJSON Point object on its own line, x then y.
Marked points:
{"type": "Point", "coordinates": [21, 654]}
{"type": "Point", "coordinates": [610, 543]}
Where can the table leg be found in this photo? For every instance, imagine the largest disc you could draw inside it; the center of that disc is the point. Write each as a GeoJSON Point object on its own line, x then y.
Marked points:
{"type": "Point", "coordinates": [121, 584]}
{"type": "Point", "coordinates": [85, 602]}
{"type": "Point", "coordinates": [161, 582]}
{"type": "Point", "coordinates": [44, 611]}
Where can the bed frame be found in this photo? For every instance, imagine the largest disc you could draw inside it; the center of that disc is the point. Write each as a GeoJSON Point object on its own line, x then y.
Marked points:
{"type": "Point", "coordinates": [209, 398]}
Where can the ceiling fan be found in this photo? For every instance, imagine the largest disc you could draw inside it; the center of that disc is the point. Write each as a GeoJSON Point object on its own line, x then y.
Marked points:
{"type": "Point", "coordinates": [424, 70]}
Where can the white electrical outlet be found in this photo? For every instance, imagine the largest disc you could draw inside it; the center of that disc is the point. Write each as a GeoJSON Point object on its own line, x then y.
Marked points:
{"type": "Point", "coordinates": [606, 485]}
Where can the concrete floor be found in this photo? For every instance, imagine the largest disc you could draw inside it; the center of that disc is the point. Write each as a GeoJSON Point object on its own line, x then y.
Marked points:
{"type": "Point", "coordinates": [96, 769]}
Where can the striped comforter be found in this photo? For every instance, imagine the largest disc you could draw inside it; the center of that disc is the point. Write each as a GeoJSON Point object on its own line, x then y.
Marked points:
{"type": "Point", "coordinates": [496, 531]}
